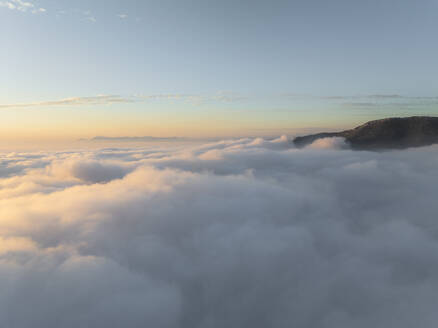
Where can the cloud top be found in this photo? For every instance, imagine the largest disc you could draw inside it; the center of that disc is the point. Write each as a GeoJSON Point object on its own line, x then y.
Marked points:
{"type": "Point", "coordinates": [236, 233]}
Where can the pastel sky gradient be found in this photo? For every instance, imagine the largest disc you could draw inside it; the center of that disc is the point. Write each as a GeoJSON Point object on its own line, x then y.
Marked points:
{"type": "Point", "coordinates": [77, 69]}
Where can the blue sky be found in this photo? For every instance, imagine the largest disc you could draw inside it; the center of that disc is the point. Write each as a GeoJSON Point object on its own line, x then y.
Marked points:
{"type": "Point", "coordinates": [255, 64]}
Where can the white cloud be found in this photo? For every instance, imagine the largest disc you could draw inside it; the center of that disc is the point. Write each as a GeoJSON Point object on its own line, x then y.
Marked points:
{"type": "Point", "coordinates": [91, 19]}
{"type": "Point", "coordinates": [329, 143]}
{"type": "Point", "coordinates": [89, 16]}
{"type": "Point", "coordinates": [7, 4]}
{"type": "Point", "coordinates": [23, 6]}
{"type": "Point", "coordinates": [122, 16]}
{"type": "Point", "coordinates": [39, 10]}
{"type": "Point", "coordinates": [235, 233]}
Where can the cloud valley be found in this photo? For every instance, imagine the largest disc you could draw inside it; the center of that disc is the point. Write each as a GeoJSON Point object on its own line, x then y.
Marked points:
{"type": "Point", "coordinates": [237, 233]}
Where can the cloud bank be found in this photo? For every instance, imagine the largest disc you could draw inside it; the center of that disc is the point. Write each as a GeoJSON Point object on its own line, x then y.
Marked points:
{"type": "Point", "coordinates": [240, 233]}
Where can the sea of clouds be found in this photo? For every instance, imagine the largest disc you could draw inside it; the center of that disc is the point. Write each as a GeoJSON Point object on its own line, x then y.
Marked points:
{"type": "Point", "coordinates": [240, 233]}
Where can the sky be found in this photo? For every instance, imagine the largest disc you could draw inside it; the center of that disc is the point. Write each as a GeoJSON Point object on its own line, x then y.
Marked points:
{"type": "Point", "coordinates": [81, 69]}
{"type": "Point", "coordinates": [224, 222]}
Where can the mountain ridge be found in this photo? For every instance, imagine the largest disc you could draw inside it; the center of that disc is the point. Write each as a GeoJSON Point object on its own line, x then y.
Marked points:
{"type": "Point", "coordinates": [387, 133]}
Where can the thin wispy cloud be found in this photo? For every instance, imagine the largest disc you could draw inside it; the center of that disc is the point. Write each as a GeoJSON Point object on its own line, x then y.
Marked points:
{"type": "Point", "coordinates": [349, 97]}
{"type": "Point", "coordinates": [23, 6]}
{"type": "Point", "coordinates": [222, 96]}
{"type": "Point", "coordinates": [122, 16]}
{"type": "Point", "coordinates": [384, 101]}
{"type": "Point", "coordinates": [229, 97]}
{"type": "Point", "coordinates": [73, 101]}
{"type": "Point", "coordinates": [365, 101]}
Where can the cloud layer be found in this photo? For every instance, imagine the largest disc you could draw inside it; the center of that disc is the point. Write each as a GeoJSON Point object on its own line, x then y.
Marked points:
{"type": "Point", "coordinates": [240, 233]}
